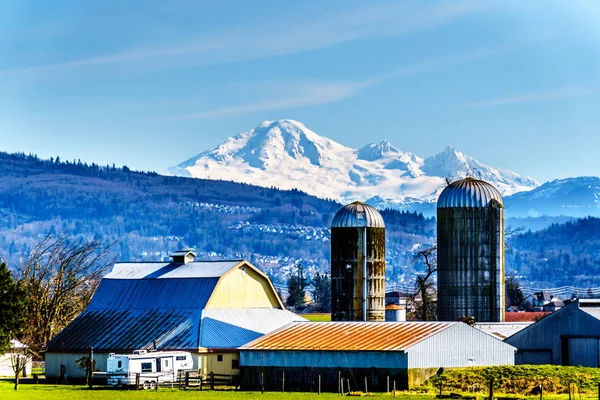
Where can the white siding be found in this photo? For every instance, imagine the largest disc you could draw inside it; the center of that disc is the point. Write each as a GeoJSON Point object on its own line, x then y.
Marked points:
{"type": "Point", "coordinates": [460, 346]}
{"type": "Point", "coordinates": [54, 360]}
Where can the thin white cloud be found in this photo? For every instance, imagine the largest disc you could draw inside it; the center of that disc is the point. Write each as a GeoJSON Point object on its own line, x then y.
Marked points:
{"type": "Point", "coordinates": [310, 94]}
{"type": "Point", "coordinates": [566, 92]}
{"type": "Point", "coordinates": [273, 39]}
{"type": "Point", "coordinates": [298, 95]}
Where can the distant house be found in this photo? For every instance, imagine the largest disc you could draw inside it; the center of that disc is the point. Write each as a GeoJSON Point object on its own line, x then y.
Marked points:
{"type": "Point", "coordinates": [540, 299]}
{"type": "Point", "coordinates": [569, 336]}
{"type": "Point", "coordinates": [207, 308]}
{"type": "Point", "coordinates": [554, 305]}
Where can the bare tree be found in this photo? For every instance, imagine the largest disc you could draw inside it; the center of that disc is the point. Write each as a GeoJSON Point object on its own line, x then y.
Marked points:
{"type": "Point", "coordinates": [60, 277]}
{"type": "Point", "coordinates": [511, 233]}
{"type": "Point", "coordinates": [19, 357]}
{"type": "Point", "coordinates": [425, 309]}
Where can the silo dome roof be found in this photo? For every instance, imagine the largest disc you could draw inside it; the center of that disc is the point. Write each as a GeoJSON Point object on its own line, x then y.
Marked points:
{"type": "Point", "coordinates": [357, 215]}
{"type": "Point", "coordinates": [468, 192]}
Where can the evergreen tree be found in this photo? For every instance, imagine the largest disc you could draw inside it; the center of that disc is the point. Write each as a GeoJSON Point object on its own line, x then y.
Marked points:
{"type": "Point", "coordinates": [296, 286]}
{"type": "Point", "coordinates": [13, 307]}
{"type": "Point", "coordinates": [514, 293]}
{"type": "Point", "coordinates": [322, 293]}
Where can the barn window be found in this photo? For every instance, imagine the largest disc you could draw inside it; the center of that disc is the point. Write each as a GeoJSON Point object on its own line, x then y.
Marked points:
{"type": "Point", "coordinates": [167, 363]}
{"type": "Point", "coordinates": [219, 357]}
{"type": "Point", "coordinates": [119, 364]}
{"type": "Point", "coordinates": [146, 367]}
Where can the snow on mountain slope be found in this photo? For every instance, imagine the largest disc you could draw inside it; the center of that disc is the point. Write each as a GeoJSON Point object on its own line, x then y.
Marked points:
{"type": "Point", "coordinates": [287, 155]}
{"type": "Point", "coordinates": [577, 197]}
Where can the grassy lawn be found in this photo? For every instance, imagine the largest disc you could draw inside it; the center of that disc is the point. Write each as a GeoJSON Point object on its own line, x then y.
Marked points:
{"type": "Point", "coordinates": [317, 317]}
{"type": "Point", "coordinates": [63, 392]}
{"type": "Point", "coordinates": [60, 392]}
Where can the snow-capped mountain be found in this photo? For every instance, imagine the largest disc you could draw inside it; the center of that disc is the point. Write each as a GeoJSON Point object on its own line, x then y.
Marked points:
{"type": "Point", "coordinates": [576, 197]}
{"type": "Point", "coordinates": [287, 155]}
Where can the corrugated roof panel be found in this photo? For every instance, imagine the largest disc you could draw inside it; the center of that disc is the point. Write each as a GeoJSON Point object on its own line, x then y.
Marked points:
{"type": "Point", "coordinates": [146, 294]}
{"type": "Point", "coordinates": [348, 336]}
{"type": "Point", "coordinates": [152, 270]}
{"type": "Point", "coordinates": [357, 215]}
{"type": "Point", "coordinates": [468, 192]}
{"type": "Point", "coordinates": [232, 328]}
{"type": "Point", "coordinates": [128, 330]}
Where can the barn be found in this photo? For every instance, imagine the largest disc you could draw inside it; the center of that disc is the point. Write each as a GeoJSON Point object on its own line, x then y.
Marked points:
{"type": "Point", "coordinates": [569, 336]}
{"type": "Point", "coordinates": [207, 308]}
{"type": "Point", "coordinates": [302, 353]}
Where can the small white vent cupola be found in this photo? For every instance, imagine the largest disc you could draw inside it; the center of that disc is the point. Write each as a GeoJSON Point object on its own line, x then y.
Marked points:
{"type": "Point", "coordinates": [183, 256]}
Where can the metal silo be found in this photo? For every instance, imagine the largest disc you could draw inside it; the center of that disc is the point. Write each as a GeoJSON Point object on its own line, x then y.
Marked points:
{"type": "Point", "coordinates": [357, 264]}
{"type": "Point", "coordinates": [470, 229]}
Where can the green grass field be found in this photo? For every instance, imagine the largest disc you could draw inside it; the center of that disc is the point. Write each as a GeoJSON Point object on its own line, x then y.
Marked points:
{"type": "Point", "coordinates": [60, 392]}
{"type": "Point", "coordinates": [317, 317]}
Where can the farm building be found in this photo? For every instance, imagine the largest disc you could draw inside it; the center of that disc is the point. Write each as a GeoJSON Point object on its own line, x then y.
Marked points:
{"type": "Point", "coordinates": [569, 336]}
{"type": "Point", "coordinates": [6, 363]}
{"type": "Point", "coordinates": [406, 352]}
{"type": "Point", "coordinates": [206, 308]}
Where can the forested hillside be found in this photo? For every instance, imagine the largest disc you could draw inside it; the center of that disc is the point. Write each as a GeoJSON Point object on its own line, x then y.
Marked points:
{"type": "Point", "coordinates": [561, 255]}
{"type": "Point", "coordinates": [148, 215]}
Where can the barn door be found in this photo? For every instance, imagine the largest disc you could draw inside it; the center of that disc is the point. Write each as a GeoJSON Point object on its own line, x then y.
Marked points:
{"type": "Point", "coordinates": [583, 352]}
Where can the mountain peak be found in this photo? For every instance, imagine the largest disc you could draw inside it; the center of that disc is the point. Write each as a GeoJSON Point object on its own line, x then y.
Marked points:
{"type": "Point", "coordinates": [286, 154]}
{"type": "Point", "coordinates": [375, 151]}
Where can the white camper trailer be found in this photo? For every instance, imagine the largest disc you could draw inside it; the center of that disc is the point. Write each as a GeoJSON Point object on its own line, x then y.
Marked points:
{"type": "Point", "coordinates": [152, 366]}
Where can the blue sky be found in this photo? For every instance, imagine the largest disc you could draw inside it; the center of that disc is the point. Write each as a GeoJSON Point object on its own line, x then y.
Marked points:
{"type": "Point", "coordinates": [149, 84]}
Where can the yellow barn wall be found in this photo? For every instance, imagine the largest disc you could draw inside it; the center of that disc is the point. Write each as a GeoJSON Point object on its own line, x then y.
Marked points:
{"type": "Point", "coordinates": [210, 363]}
{"type": "Point", "coordinates": [243, 289]}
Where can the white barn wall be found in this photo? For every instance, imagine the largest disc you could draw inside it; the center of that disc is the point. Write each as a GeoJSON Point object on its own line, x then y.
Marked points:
{"type": "Point", "coordinates": [460, 346]}
{"type": "Point", "coordinates": [54, 360]}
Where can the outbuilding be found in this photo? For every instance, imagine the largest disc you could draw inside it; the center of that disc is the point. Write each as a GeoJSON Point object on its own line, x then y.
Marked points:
{"type": "Point", "coordinates": [302, 354]}
{"type": "Point", "coordinates": [206, 308]}
{"type": "Point", "coordinates": [569, 336]}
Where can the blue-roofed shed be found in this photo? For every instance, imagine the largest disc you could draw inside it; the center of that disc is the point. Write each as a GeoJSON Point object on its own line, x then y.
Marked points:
{"type": "Point", "coordinates": [207, 308]}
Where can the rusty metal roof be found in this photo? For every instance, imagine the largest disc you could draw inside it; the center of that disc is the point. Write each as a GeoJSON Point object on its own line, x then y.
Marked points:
{"type": "Point", "coordinates": [348, 336]}
{"type": "Point", "coordinates": [468, 192]}
{"type": "Point", "coordinates": [357, 215]}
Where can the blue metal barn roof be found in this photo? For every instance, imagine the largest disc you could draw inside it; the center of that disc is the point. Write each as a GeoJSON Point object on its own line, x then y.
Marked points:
{"type": "Point", "coordinates": [138, 304]}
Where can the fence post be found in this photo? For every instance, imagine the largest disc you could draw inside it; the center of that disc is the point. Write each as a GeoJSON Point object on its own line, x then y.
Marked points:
{"type": "Point", "coordinates": [388, 384]}
{"type": "Point", "coordinates": [157, 383]}
{"type": "Point", "coordinates": [319, 384]}
{"type": "Point", "coordinates": [394, 388]}
{"type": "Point", "coordinates": [262, 382]}
{"type": "Point", "coordinates": [283, 382]}
{"type": "Point", "coordinates": [137, 381]}
{"type": "Point", "coordinates": [91, 367]}
{"type": "Point", "coordinates": [541, 391]}
{"type": "Point", "coordinates": [491, 388]}
{"type": "Point", "coordinates": [569, 390]}
{"type": "Point", "coordinates": [187, 380]}
{"type": "Point", "coordinates": [366, 388]}
{"type": "Point", "coordinates": [340, 379]}
{"type": "Point", "coordinates": [212, 380]}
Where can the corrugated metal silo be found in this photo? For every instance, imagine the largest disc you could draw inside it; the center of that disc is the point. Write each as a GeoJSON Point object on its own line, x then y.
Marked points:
{"type": "Point", "coordinates": [470, 229]}
{"type": "Point", "coordinates": [358, 264]}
